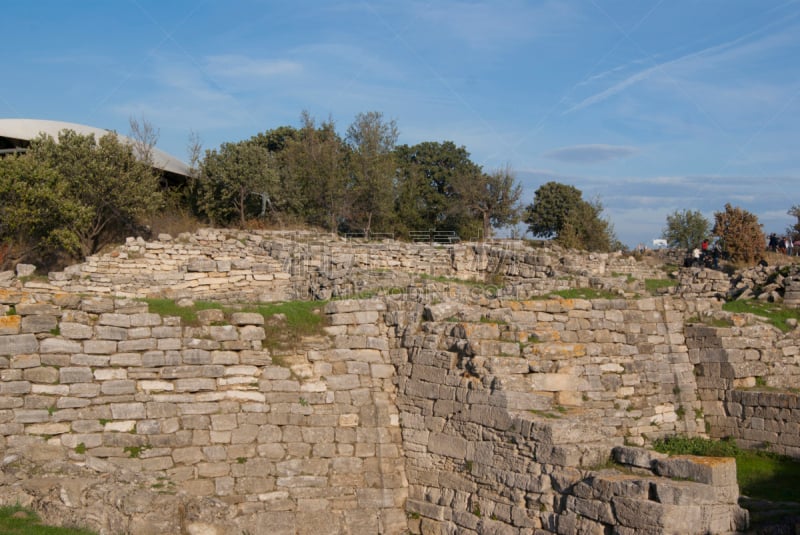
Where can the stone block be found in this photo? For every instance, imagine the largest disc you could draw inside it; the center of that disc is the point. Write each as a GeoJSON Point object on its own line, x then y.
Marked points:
{"type": "Point", "coordinates": [38, 324]}
{"type": "Point", "coordinates": [108, 332]}
{"type": "Point", "coordinates": [142, 344]}
{"type": "Point", "coordinates": [16, 344]}
{"type": "Point", "coordinates": [115, 320]}
{"type": "Point", "coordinates": [718, 471]}
{"type": "Point", "coordinates": [43, 374]}
{"type": "Point", "coordinates": [10, 325]}
{"type": "Point", "coordinates": [72, 374]}
{"type": "Point", "coordinates": [24, 361]}
{"type": "Point", "coordinates": [195, 384]}
{"type": "Point", "coordinates": [76, 331]}
{"type": "Point", "coordinates": [128, 411]}
{"type": "Point", "coordinates": [145, 319]}
{"type": "Point", "coordinates": [99, 347]}
{"type": "Point", "coordinates": [676, 492]}
{"type": "Point", "coordinates": [247, 318]}
{"type": "Point", "coordinates": [252, 332]}
{"type": "Point", "coordinates": [221, 333]}
{"type": "Point", "coordinates": [450, 446]}
{"type": "Point", "coordinates": [118, 387]}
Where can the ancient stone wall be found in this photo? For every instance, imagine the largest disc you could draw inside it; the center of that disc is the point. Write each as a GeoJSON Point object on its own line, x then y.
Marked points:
{"type": "Point", "coordinates": [494, 416]}
{"type": "Point", "coordinates": [285, 441]}
{"type": "Point", "coordinates": [510, 413]}
{"type": "Point", "coordinates": [436, 408]}
{"type": "Point", "coordinates": [747, 378]}
{"type": "Point", "coordinates": [252, 266]}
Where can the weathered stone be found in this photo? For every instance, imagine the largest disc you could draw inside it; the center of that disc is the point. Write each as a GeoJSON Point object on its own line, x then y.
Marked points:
{"type": "Point", "coordinates": [16, 344]}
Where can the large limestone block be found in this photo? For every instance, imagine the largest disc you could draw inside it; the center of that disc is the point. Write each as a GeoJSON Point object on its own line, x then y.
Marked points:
{"type": "Point", "coordinates": [448, 445]}
{"type": "Point", "coordinates": [10, 325]}
{"type": "Point", "coordinates": [247, 318]}
{"type": "Point", "coordinates": [556, 382]}
{"type": "Point", "coordinates": [75, 331]}
{"type": "Point", "coordinates": [39, 323]}
{"type": "Point", "coordinates": [718, 471]}
{"type": "Point", "coordinates": [16, 344]}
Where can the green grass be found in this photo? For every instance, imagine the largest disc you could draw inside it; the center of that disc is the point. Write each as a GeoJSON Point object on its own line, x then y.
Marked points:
{"type": "Point", "coordinates": [760, 474]}
{"type": "Point", "coordinates": [653, 285]}
{"type": "Point", "coordinates": [16, 520]}
{"type": "Point", "coordinates": [774, 313]}
{"type": "Point", "coordinates": [188, 315]}
{"type": "Point", "coordinates": [303, 318]}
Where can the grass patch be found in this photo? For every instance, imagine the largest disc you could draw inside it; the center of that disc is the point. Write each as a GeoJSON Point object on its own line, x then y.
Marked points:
{"type": "Point", "coordinates": [545, 414]}
{"type": "Point", "coordinates": [188, 315]}
{"type": "Point", "coordinates": [302, 318]}
{"type": "Point", "coordinates": [775, 313]}
{"type": "Point", "coordinates": [628, 277]}
{"type": "Point", "coordinates": [761, 474]}
{"type": "Point", "coordinates": [16, 520]}
{"type": "Point", "coordinates": [299, 318]}
{"type": "Point", "coordinates": [654, 285]}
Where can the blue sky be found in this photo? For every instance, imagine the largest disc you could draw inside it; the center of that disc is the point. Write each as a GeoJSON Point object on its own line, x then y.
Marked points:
{"type": "Point", "coordinates": [651, 106]}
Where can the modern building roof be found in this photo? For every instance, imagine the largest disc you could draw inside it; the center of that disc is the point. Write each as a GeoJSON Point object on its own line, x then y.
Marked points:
{"type": "Point", "coordinates": [28, 129]}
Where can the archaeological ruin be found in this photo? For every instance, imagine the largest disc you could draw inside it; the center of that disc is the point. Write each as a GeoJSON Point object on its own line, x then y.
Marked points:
{"type": "Point", "coordinates": [451, 390]}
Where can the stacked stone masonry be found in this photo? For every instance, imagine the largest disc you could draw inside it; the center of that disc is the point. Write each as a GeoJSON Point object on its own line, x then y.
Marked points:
{"type": "Point", "coordinates": [431, 412]}
{"type": "Point", "coordinates": [748, 377]}
{"type": "Point", "coordinates": [268, 266]}
{"type": "Point", "coordinates": [312, 445]}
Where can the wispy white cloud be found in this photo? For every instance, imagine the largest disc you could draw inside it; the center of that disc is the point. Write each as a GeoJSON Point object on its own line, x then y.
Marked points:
{"type": "Point", "coordinates": [493, 24]}
{"type": "Point", "coordinates": [240, 66]}
{"type": "Point", "coordinates": [588, 154]}
{"type": "Point", "coordinates": [750, 47]}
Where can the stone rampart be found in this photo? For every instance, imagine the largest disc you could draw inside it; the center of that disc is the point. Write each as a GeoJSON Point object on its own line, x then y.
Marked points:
{"type": "Point", "coordinates": [253, 266]}
{"type": "Point", "coordinates": [239, 437]}
{"type": "Point", "coordinates": [510, 414]}
{"type": "Point", "coordinates": [747, 378]}
{"type": "Point", "coordinates": [434, 409]}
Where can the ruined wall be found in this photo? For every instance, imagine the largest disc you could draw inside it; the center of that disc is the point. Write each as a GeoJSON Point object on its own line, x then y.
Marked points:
{"type": "Point", "coordinates": [510, 413]}
{"type": "Point", "coordinates": [747, 377]}
{"type": "Point", "coordinates": [464, 417]}
{"type": "Point", "coordinates": [285, 441]}
{"type": "Point", "coordinates": [451, 410]}
{"type": "Point", "coordinates": [266, 266]}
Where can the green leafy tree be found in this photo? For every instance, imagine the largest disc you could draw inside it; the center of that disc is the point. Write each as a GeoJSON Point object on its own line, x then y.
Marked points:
{"type": "Point", "coordinates": [109, 190]}
{"type": "Point", "coordinates": [316, 163]}
{"type": "Point", "coordinates": [741, 233]}
{"type": "Point", "coordinates": [35, 213]}
{"type": "Point", "coordinates": [552, 204]}
{"type": "Point", "coordinates": [238, 181]}
{"type": "Point", "coordinates": [372, 140]}
{"type": "Point", "coordinates": [685, 229]}
{"type": "Point", "coordinates": [559, 212]}
{"type": "Point", "coordinates": [427, 176]}
{"type": "Point", "coordinates": [492, 198]}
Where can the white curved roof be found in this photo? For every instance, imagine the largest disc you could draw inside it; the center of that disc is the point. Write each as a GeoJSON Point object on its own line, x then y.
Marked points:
{"type": "Point", "coordinates": [28, 129]}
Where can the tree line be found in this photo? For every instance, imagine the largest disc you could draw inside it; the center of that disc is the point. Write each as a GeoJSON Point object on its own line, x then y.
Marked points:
{"type": "Point", "coordinates": [69, 197]}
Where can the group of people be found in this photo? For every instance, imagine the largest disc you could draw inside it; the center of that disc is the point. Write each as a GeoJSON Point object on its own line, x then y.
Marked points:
{"type": "Point", "coordinates": [707, 255]}
{"type": "Point", "coordinates": [784, 245]}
